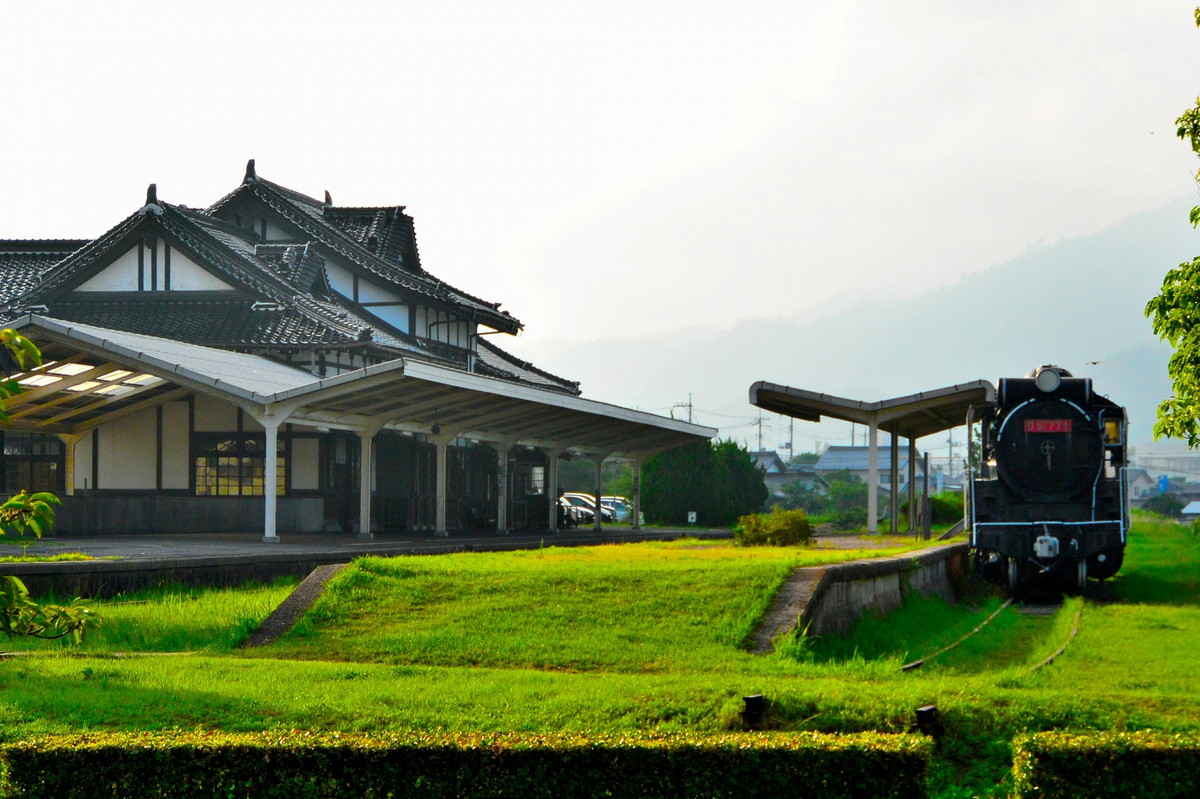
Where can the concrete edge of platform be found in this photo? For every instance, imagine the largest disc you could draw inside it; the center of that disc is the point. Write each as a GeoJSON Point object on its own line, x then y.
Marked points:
{"type": "Point", "coordinates": [110, 577]}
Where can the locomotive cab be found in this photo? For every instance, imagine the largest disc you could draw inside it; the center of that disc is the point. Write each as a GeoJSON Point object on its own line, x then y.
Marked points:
{"type": "Point", "coordinates": [1049, 497]}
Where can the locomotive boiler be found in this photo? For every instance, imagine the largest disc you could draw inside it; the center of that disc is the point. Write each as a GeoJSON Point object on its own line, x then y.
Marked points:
{"type": "Point", "coordinates": [1048, 500]}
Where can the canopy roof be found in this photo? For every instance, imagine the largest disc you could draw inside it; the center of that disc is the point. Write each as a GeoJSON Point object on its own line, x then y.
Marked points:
{"type": "Point", "coordinates": [912, 416]}
{"type": "Point", "coordinates": [92, 375]}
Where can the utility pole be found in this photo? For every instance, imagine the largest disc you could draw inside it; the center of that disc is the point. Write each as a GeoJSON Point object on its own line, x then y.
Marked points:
{"type": "Point", "coordinates": [687, 405]}
{"type": "Point", "coordinates": [950, 462]}
{"type": "Point", "coordinates": [759, 424]}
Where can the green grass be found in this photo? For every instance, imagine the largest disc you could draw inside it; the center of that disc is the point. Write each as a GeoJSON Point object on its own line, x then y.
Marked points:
{"type": "Point", "coordinates": [645, 608]}
{"type": "Point", "coordinates": [635, 638]}
{"type": "Point", "coordinates": [171, 619]}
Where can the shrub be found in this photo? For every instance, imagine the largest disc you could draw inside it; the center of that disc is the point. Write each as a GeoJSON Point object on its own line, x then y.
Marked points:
{"type": "Point", "coordinates": [779, 528]}
{"type": "Point", "coordinates": [1129, 765]}
{"type": "Point", "coordinates": [849, 519]}
{"type": "Point", "coordinates": [300, 764]}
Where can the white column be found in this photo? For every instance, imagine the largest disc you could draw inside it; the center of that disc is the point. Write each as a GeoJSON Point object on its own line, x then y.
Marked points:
{"type": "Point", "coordinates": [552, 489]}
{"type": "Point", "coordinates": [637, 494]}
{"type": "Point", "coordinates": [365, 472]}
{"type": "Point", "coordinates": [599, 490]}
{"type": "Point", "coordinates": [873, 477]}
{"type": "Point", "coordinates": [69, 441]}
{"type": "Point", "coordinates": [501, 486]}
{"type": "Point", "coordinates": [442, 443]}
{"type": "Point", "coordinates": [270, 477]}
{"type": "Point", "coordinates": [894, 504]}
{"type": "Point", "coordinates": [912, 485]}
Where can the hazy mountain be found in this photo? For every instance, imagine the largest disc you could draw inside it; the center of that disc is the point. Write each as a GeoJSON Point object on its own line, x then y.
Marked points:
{"type": "Point", "coordinates": [1078, 303]}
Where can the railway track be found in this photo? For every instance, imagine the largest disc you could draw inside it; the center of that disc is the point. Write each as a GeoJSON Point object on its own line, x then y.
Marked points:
{"type": "Point", "coordinates": [1042, 608]}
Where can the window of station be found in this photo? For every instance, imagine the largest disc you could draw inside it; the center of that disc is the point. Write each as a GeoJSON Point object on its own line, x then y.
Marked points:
{"type": "Point", "coordinates": [232, 465]}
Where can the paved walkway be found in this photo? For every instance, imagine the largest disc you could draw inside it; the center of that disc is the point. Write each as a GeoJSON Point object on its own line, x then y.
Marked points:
{"type": "Point", "coordinates": [241, 546]}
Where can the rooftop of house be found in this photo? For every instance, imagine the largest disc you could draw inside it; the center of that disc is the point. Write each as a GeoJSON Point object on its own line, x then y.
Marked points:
{"type": "Point", "coordinates": [270, 258]}
{"type": "Point", "coordinates": [857, 459]}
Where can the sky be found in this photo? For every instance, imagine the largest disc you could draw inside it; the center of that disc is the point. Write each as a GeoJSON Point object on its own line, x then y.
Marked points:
{"type": "Point", "coordinates": [622, 168]}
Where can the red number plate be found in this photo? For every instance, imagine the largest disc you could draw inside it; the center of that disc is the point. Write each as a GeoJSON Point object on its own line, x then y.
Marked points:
{"type": "Point", "coordinates": [1047, 425]}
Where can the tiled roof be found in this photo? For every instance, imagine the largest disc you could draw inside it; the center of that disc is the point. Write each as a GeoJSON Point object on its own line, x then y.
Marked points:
{"type": "Point", "coordinates": [309, 215]}
{"type": "Point", "coordinates": [210, 321]}
{"type": "Point", "coordinates": [22, 263]}
{"type": "Point", "coordinates": [855, 459]}
{"type": "Point", "coordinates": [495, 362]}
{"type": "Point", "coordinates": [386, 232]}
{"type": "Point", "coordinates": [282, 296]}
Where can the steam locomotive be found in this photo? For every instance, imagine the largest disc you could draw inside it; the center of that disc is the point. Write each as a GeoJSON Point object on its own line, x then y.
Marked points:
{"type": "Point", "coordinates": [1049, 502]}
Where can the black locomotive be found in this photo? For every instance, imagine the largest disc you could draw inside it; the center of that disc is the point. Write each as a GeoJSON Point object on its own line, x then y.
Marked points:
{"type": "Point", "coordinates": [1049, 498]}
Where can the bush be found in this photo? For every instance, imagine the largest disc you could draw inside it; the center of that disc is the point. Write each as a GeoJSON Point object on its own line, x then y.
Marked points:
{"type": "Point", "coordinates": [303, 764]}
{"type": "Point", "coordinates": [1168, 505]}
{"type": "Point", "coordinates": [946, 507]}
{"type": "Point", "coordinates": [779, 528]}
{"type": "Point", "coordinates": [852, 519]}
{"type": "Point", "coordinates": [1129, 765]}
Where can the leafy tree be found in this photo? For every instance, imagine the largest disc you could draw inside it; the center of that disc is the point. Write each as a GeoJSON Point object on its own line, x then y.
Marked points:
{"type": "Point", "coordinates": [25, 513]}
{"type": "Point", "coordinates": [804, 457]}
{"type": "Point", "coordinates": [716, 479]}
{"type": "Point", "coordinates": [1175, 316]}
{"type": "Point", "coordinates": [798, 496]}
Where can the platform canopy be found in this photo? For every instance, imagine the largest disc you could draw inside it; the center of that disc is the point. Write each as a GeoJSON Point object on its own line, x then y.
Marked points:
{"type": "Point", "coordinates": [93, 375]}
{"type": "Point", "coordinates": [913, 416]}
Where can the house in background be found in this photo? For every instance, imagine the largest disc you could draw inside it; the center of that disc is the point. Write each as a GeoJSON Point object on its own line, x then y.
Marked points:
{"type": "Point", "coordinates": [276, 359]}
{"type": "Point", "coordinates": [1141, 484]}
{"type": "Point", "coordinates": [855, 460]}
{"type": "Point", "coordinates": [777, 474]}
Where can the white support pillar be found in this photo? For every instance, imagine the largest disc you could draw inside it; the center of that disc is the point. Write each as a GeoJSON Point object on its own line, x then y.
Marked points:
{"type": "Point", "coordinates": [598, 522]}
{"type": "Point", "coordinates": [69, 441]}
{"type": "Point", "coordinates": [552, 488]}
{"type": "Point", "coordinates": [366, 471]}
{"type": "Point", "coordinates": [894, 488]}
{"type": "Point", "coordinates": [912, 485]}
{"type": "Point", "coordinates": [502, 447]}
{"type": "Point", "coordinates": [270, 477]}
{"type": "Point", "coordinates": [442, 442]}
{"type": "Point", "coordinates": [637, 493]}
{"type": "Point", "coordinates": [873, 477]}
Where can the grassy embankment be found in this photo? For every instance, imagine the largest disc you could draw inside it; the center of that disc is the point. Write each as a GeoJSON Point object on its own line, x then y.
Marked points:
{"type": "Point", "coordinates": [644, 637]}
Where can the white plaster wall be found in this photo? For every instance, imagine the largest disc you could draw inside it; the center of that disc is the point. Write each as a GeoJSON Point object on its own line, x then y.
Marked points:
{"type": "Point", "coordinates": [214, 416]}
{"type": "Point", "coordinates": [394, 315]}
{"type": "Point", "coordinates": [187, 275]}
{"type": "Point", "coordinates": [83, 462]}
{"type": "Point", "coordinates": [120, 275]}
{"type": "Point", "coordinates": [128, 451]}
{"type": "Point", "coordinates": [340, 280]}
{"type": "Point", "coordinates": [305, 464]}
{"type": "Point", "coordinates": [369, 292]}
{"type": "Point", "coordinates": [276, 233]}
{"type": "Point", "coordinates": [176, 443]}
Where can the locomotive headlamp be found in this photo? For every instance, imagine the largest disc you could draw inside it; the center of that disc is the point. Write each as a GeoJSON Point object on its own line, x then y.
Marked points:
{"type": "Point", "coordinates": [1047, 379]}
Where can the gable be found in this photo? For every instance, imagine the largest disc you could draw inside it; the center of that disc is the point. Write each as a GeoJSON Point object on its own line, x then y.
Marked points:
{"type": "Point", "coordinates": [153, 266]}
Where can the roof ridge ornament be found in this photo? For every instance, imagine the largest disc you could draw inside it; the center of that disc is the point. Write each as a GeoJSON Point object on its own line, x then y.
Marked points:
{"type": "Point", "coordinates": [251, 175]}
{"type": "Point", "coordinates": [152, 205]}
{"type": "Point", "coordinates": [328, 198]}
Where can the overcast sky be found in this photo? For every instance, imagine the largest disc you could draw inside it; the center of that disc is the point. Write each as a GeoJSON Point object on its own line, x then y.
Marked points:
{"type": "Point", "coordinates": [620, 167]}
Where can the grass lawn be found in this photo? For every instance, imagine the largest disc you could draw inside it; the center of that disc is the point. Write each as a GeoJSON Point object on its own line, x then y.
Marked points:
{"type": "Point", "coordinates": [627, 638]}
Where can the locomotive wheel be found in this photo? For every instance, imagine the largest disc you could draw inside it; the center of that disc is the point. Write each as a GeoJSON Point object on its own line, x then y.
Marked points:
{"type": "Point", "coordinates": [1014, 576]}
{"type": "Point", "coordinates": [1081, 575]}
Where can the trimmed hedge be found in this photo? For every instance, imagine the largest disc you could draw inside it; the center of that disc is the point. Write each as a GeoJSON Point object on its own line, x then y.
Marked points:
{"type": "Point", "coordinates": [1129, 765]}
{"type": "Point", "coordinates": [304, 764]}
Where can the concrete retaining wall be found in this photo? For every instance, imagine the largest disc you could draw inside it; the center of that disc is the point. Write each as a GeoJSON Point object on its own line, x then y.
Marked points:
{"type": "Point", "coordinates": [848, 590]}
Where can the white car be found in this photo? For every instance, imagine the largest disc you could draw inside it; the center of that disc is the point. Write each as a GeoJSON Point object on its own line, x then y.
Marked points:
{"type": "Point", "coordinates": [587, 503]}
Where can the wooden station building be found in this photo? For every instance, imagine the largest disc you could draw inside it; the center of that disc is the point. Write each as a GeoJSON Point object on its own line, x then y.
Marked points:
{"type": "Point", "coordinates": [277, 361]}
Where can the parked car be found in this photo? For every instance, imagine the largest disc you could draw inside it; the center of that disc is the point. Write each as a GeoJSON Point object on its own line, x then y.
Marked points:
{"type": "Point", "coordinates": [571, 516]}
{"type": "Point", "coordinates": [620, 506]}
{"type": "Point", "coordinates": [587, 503]}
